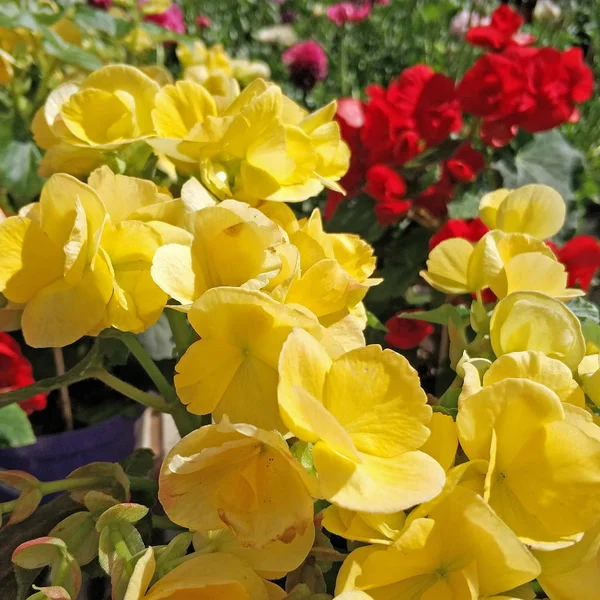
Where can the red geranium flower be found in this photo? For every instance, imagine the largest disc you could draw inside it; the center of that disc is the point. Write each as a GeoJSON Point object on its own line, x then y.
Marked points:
{"type": "Point", "coordinates": [500, 32]}
{"type": "Point", "coordinates": [470, 229]}
{"type": "Point", "coordinates": [307, 63]}
{"type": "Point", "coordinates": [466, 163]}
{"type": "Point", "coordinates": [387, 188]}
{"type": "Point", "coordinates": [581, 257]}
{"type": "Point", "coordinates": [16, 372]}
{"type": "Point", "coordinates": [348, 12]}
{"type": "Point", "coordinates": [406, 333]}
{"type": "Point", "coordinates": [557, 80]}
{"type": "Point", "coordinates": [426, 102]}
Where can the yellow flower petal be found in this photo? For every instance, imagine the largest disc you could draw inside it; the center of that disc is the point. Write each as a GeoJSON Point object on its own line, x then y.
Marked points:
{"type": "Point", "coordinates": [447, 267]}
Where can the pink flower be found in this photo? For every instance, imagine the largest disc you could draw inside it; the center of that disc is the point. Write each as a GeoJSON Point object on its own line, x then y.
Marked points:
{"type": "Point", "coordinates": [203, 21]}
{"type": "Point", "coordinates": [348, 12]}
{"type": "Point", "coordinates": [104, 4]}
{"type": "Point", "coordinates": [307, 63]}
{"type": "Point", "coordinates": [171, 19]}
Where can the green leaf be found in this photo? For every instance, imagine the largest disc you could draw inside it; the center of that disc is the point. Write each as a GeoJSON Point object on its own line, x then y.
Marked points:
{"type": "Point", "coordinates": [79, 533]}
{"type": "Point", "coordinates": [303, 452]}
{"type": "Point", "coordinates": [356, 216]}
{"type": "Point", "coordinates": [465, 206]}
{"type": "Point", "coordinates": [375, 323]}
{"type": "Point", "coordinates": [442, 315]}
{"type": "Point", "coordinates": [138, 464]}
{"type": "Point", "coordinates": [591, 332]}
{"type": "Point", "coordinates": [548, 159]}
{"type": "Point", "coordinates": [158, 340]}
{"type": "Point", "coordinates": [99, 20]}
{"type": "Point", "coordinates": [18, 168]}
{"type": "Point", "coordinates": [584, 309]}
{"type": "Point", "coordinates": [55, 46]}
{"type": "Point", "coordinates": [15, 428]}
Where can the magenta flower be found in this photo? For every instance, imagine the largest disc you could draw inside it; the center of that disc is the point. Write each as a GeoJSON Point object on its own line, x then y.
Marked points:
{"type": "Point", "coordinates": [307, 63]}
{"type": "Point", "coordinates": [171, 19]}
{"type": "Point", "coordinates": [104, 4]}
{"type": "Point", "coordinates": [348, 12]}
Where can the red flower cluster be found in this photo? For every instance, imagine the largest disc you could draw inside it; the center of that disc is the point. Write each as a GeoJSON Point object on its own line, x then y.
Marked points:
{"type": "Point", "coordinates": [514, 87]}
{"type": "Point", "coordinates": [406, 333]}
{"type": "Point", "coordinates": [16, 372]}
{"type": "Point", "coordinates": [418, 110]}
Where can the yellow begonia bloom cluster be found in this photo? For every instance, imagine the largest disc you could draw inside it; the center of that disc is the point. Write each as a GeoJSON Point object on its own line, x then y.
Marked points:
{"type": "Point", "coordinates": [512, 256]}
{"type": "Point", "coordinates": [525, 504]}
{"type": "Point", "coordinates": [467, 508]}
{"type": "Point", "coordinates": [250, 146]}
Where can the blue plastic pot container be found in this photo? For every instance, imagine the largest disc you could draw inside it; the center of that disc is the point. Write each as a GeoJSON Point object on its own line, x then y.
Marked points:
{"type": "Point", "coordinates": [55, 456]}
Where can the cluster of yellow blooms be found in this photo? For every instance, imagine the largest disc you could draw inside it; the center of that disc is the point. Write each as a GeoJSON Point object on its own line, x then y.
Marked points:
{"type": "Point", "coordinates": [470, 509]}
{"type": "Point", "coordinates": [252, 145]}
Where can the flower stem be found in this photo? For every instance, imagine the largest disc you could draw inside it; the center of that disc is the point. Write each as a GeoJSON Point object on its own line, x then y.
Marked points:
{"type": "Point", "coordinates": [144, 398]}
{"type": "Point", "coordinates": [182, 333]}
{"type": "Point", "coordinates": [160, 381]}
{"type": "Point", "coordinates": [121, 548]}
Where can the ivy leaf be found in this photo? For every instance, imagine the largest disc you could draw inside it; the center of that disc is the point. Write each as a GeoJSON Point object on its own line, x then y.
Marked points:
{"type": "Point", "coordinates": [18, 169]}
{"type": "Point", "coordinates": [548, 159]}
{"type": "Point", "coordinates": [584, 309]}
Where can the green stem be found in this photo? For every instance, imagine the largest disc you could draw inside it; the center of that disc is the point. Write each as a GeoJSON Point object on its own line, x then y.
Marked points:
{"type": "Point", "coordinates": [121, 548]}
{"type": "Point", "coordinates": [144, 398]}
{"type": "Point", "coordinates": [79, 372]}
{"type": "Point", "coordinates": [185, 421]}
{"type": "Point", "coordinates": [160, 381]}
{"type": "Point", "coordinates": [206, 550]}
{"type": "Point", "coordinates": [343, 61]}
{"type": "Point", "coordinates": [182, 333]}
{"type": "Point", "coordinates": [143, 484]}
{"type": "Point", "coordinates": [60, 485]}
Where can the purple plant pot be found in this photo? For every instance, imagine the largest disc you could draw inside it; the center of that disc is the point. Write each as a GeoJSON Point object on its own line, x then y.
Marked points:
{"type": "Point", "coordinates": [55, 456]}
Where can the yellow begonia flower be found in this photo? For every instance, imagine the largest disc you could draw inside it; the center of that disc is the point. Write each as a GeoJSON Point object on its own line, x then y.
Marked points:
{"type": "Point", "coordinates": [204, 577]}
{"type": "Point", "coordinates": [111, 107]}
{"type": "Point", "coordinates": [234, 245]}
{"type": "Point", "coordinates": [538, 367]}
{"type": "Point", "coordinates": [367, 416]}
{"type": "Point", "coordinates": [133, 199]}
{"type": "Point", "coordinates": [534, 321]}
{"type": "Point", "coordinates": [543, 478]}
{"type": "Point", "coordinates": [535, 209]}
{"type": "Point", "coordinates": [460, 551]}
{"type": "Point", "coordinates": [442, 444]}
{"type": "Point", "coordinates": [448, 267]}
{"type": "Point", "coordinates": [274, 561]}
{"type": "Point", "coordinates": [51, 264]}
{"type": "Point", "coordinates": [6, 67]}
{"type": "Point", "coordinates": [573, 572]}
{"type": "Point", "coordinates": [504, 263]}
{"type": "Point", "coordinates": [362, 526]}
{"type": "Point", "coordinates": [589, 375]}
{"type": "Point", "coordinates": [240, 477]}
{"type": "Point", "coordinates": [232, 369]}
{"type": "Point", "coordinates": [252, 147]}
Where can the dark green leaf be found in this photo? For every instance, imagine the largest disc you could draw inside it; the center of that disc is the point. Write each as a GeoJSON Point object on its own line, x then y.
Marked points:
{"type": "Point", "coordinates": [15, 428]}
{"type": "Point", "coordinates": [139, 464]}
{"type": "Point", "coordinates": [18, 169]}
{"type": "Point", "coordinates": [548, 159]}
{"type": "Point", "coordinates": [442, 315]}
{"type": "Point", "coordinates": [375, 323]}
{"type": "Point", "coordinates": [356, 216]}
